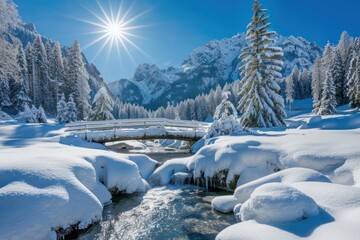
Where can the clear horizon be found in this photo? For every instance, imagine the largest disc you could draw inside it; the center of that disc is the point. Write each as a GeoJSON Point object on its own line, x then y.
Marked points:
{"type": "Point", "coordinates": [174, 28]}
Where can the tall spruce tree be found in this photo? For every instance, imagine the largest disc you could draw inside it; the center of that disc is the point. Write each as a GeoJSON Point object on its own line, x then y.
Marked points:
{"type": "Point", "coordinates": [344, 47]}
{"type": "Point", "coordinates": [58, 71]}
{"type": "Point", "coordinates": [260, 102]}
{"type": "Point", "coordinates": [316, 84]}
{"type": "Point", "coordinates": [41, 79]}
{"type": "Point", "coordinates": [20, 90]}
{"type": "Point", "coordinates": [290, 84]}
{"type": "Point", "coordinates": [103, 106]}
{"type": "Point", "coordinates": [71, 113]}
{"type": "Point", "coordinates": [328, 100]}
{"type": "Point", "coordinates": [354, 82]}
{"type": "Point", "coordinates": [338, 73]}
{"type": "Point", "coordinates": [77, 82]}
{"type": "Point", "coordinates": [61, 110]}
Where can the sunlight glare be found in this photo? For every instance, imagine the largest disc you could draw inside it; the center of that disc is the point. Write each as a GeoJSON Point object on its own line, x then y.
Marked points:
{"type": "Point", "coordinates": [115, 29]}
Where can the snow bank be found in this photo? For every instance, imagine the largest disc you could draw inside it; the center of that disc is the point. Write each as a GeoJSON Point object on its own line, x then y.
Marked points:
{"type": "Point", "coordinates": [165, 172]}
{"type": "Point", "coordinates": [349, 172]}
{"type": "Point", "coordinates": [287, 176]}
{"type": "Point", "coordinates": [145, 164]}
{"type": "Point", "coordinates": [48, 180]}
{"type": "Point", "coordinates": [242, 159]}
{"type": "Point", "coordinates": [128, 145]}
{"type": "Point", "coordinates": [338, 218]}
{"type": "Point", "coordinates": [224, 204]}
{"type": "Point", "coordinates": [278, 203]}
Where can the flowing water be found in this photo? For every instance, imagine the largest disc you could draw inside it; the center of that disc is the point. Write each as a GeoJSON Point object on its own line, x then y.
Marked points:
{"type": "Point", "coordinates": [168, 212]}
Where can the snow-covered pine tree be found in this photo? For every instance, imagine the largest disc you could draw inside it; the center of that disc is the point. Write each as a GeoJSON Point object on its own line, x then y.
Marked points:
{"type": "Point", "coordinates": [77, 82]}
{"type": "Point", "coordinates": [225, 119]}
{"type": "Point", "coordinates": [225, 108]}
{"type": "Point", "coordinates": [218, 95]}
{"type": "Point", "coordinates": [71, 114]}
{"type": "Point", "coordinates": [20, 89]}
{"type": "Point", "coordinates": [327, 58]}
{"type": "Point", "coordinates": [58, 71]}
{"type": "Point", "coordinates": [294, 75]}
{"type": "Point", "coordinates": [181, 110]}
{"type": "Point", "coordinates": [328, 100]}
{"type": "Point", "coordinates": [29, 61]}
{"type": "Point", "coordinates": [103, 106]}
{"type": "Point", "coordinates": [202, 112]}
{"type": "Point", "coordinates": [344, 47]}
{"type": "Point", "coordinates": [61, 110]}
{"type": "Point", "coordinates": [41, 79]}
{"type": "Point", "coordinates": [9, 70]}
{"type": "Point", "coordinates": [50, 56]}
{"type": "Point", "coordinates": [41, 116]}
{"type": "Point", "coordinates": [169, 111]}
{"type": "Point", "coordinates": [354, 82]}
{"type": "Point", "coordinates": [338, 73]}
{"type": "Point", "coordinates": [305, 79]}
{"type": "Point", "coordinates": [260, 103]}
{"type": "Point", "coordinates": [28, 115]}
{"type": "Point", "coordinates": [4, 90]}
{"type": "Point", "coordinates": [316, 84]}
{"type": "Point", "coordinates": [35, 112]}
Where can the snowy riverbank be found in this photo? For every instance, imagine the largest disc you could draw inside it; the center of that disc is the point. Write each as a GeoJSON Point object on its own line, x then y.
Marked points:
{"type": "Point", "coordinates": [50, 180]}
{"type": "Point", "coordinates": [322, 161]}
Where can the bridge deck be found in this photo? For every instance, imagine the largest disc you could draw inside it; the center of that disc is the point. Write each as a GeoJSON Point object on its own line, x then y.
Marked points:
{"type": "Point", "coordinates": [138, 129]}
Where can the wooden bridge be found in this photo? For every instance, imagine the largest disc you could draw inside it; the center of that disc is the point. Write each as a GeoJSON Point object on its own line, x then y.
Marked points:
{"type": "Point", "coordinates": [138, 129]}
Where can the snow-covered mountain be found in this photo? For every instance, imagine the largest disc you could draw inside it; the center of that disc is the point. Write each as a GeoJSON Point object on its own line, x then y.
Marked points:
{"type": "Point", "coordinates": [215, 63]}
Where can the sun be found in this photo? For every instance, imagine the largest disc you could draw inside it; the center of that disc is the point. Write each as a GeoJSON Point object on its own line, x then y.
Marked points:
{"type": "Point", "coordinates": [116, 29]}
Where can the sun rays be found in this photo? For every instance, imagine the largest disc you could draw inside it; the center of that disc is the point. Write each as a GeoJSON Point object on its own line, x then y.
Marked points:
{"type": "Point", "coordinates": [115, 29]}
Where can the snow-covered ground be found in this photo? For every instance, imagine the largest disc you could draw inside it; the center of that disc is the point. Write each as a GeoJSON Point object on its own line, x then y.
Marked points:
{"type": "Point", "coordinates": [298, 182]}
{"type": "Point", "coordinates": [49, 179]}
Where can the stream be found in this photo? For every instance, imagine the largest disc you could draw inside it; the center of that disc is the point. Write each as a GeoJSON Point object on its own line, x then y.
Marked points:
{"type": "Point", "coordinates": [167, 212]}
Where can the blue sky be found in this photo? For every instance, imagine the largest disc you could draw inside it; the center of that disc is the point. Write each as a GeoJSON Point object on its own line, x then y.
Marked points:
{"type": "Point", "coordinates": [175, 27]}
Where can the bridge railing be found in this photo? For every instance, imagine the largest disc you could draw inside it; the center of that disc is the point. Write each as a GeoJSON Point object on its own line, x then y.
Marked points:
{"type": "Point", "coordinates": [135, 123]}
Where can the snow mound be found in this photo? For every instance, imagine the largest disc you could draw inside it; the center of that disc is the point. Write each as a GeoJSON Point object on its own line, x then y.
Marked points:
{"type": "Point", "coordinates": [49, 180]}
{"type": "Point", "coordinates": [165, 172]}
{"type": "Point", "coordinates": [278, 203]}
{"type": "Point", "coordinates": [224, 204]}
{"type": "Point", "coordinates": [338, 218]}
{"type": "Point", "coordinates": [145, 164]}
{"type": "Point", "coordinates": [41, 194]}
{"type": "Point", "coordinates": [239, 159]}
{"type": "Point", "coordinates": [128, 145]}
{"type": "Point", "coordinates": [348, 119]}
{"type": "Point", "coordinates": [287, 176]}
{"type": "Point", "coordinates": [349, 173]}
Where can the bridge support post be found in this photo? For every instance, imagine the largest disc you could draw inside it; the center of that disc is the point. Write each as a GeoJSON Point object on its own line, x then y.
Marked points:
{"type": "Point", "coordinates": [85, 133]}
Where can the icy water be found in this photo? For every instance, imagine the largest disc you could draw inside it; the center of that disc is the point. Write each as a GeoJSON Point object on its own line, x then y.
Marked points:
{"type": "Point", "coordinates": [168, 212]}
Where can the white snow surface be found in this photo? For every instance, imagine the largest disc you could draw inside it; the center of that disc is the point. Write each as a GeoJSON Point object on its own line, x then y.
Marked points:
{"type": "Point", "coordinates": [288, 176]}
{"type": "Point", "coordinates": [301, 166]}
{"type": "Point", "coordinates": [278, 203]}
{"type": "Point", "coordinates": [338, 218]}
{"type": "Point", "coordinates": [49, 180]}
{"type": "Point", "coordinates": [224, 204]}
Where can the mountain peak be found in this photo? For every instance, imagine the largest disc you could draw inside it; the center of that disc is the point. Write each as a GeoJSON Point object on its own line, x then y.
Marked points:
{"type": "Point", "coordinates": [215, 63]}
